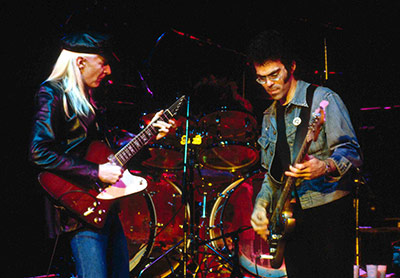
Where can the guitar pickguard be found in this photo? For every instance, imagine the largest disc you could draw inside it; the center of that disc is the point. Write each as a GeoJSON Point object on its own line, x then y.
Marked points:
{"type": "Point", "coordinates": [127, 185]}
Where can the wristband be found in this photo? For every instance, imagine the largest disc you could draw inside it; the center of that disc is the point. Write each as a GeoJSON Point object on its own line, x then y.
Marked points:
{"type": "Point", "coordinates": [327, 168]}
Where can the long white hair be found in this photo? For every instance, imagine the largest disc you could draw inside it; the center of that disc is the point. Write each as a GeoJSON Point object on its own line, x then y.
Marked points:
{"type": "Point", "coordinates": [67, 72]}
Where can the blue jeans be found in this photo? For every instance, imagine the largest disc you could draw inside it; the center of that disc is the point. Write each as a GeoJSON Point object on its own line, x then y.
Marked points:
{"type": "Point", "coordinates": [101, 253]}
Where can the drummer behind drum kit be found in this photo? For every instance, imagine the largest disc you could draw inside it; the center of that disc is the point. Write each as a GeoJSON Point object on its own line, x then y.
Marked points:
{"type": "Point", "coordinates": [221, 151]}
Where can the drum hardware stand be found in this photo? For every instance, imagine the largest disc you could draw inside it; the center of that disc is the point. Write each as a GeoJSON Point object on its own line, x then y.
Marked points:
{"type": "Point", "coordinates": [217, 253]}
{"type": "Point", "coordinates": [205, 260]}
{"type": "Point", "coordinates": [160, 257]}
{"type": "Point", "coordinates": [203, 247]}
{"type": "Point", "coordinates": [234, 261]}
{"type": "Point", "coordinates": [236, 272]}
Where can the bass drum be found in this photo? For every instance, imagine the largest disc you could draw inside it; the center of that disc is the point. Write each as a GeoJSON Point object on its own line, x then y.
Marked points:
{"type": "Point", "coordinates": [162, 233]}
{"type": "Point", "coordinates": [232, 211]}
{"type": "Point", "coordinates": [139, 223]}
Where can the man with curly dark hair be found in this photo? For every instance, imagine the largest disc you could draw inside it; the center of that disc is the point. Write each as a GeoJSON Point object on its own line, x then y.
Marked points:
{"type": "Point", "coordinates": [322, 243]}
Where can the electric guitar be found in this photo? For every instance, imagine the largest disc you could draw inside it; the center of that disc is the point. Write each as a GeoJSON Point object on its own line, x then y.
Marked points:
{"type": "Point", "coordinates": [93, 205]}
{"type": "Point", "coordinates": [282, 221]}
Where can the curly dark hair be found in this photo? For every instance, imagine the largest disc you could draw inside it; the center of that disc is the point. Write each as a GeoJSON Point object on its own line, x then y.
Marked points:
{"type": "Point", "coordinates": [270, 45]}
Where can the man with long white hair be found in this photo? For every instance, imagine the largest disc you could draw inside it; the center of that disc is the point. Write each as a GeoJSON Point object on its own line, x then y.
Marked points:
{"type": "Point", "coordinates": [63, 128]}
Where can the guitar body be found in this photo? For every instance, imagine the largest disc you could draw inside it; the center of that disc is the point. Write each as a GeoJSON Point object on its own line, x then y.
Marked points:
{"type": "Point", "coordinates": [93, 205]}
{"type": "Point", "coordinates": [277, 244]}
{"type": "Point", "coordinates": [90, 205]}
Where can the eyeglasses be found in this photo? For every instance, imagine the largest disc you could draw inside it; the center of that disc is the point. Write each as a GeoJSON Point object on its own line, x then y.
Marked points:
{"type": "Point", "coordinates": [273, 77]}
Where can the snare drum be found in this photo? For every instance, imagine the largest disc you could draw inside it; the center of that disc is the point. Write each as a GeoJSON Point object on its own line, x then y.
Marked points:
{"type": "Point", "coordinates": [229, 140]}
{"type": "Point", "coordinates": [232, 211]}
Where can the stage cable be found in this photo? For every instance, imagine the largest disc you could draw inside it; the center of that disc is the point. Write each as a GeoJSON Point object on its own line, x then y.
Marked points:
{"type": "Point", "coordinates": [53, 253]}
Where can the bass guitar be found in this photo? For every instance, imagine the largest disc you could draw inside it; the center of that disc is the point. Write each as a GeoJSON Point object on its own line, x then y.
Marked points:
{"type": "Point", "coordinates": [281, 220]}
{"type": "Point", "coordinates": [92, 205]}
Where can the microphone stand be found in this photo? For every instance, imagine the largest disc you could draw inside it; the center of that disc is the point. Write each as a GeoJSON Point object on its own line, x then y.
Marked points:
{"type": "Point", "coordinates": [186, 189]}
{"type": "Point", "coordinates": [359, 181]}
{"type": "Point", "coordinates": [207, 41]}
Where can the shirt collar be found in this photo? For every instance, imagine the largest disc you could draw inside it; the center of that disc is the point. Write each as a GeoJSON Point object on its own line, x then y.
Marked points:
{"type": "Point", "coordinates": [299, 98]}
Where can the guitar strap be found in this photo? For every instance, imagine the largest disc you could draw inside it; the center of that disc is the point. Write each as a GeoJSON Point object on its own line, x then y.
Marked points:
{"type": "Point", "coordinates": [305, 118]}
{"type": "Point", "coordinates": [302, 128]}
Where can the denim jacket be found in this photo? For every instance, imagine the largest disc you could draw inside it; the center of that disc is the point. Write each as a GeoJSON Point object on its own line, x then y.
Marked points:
{"type": "Point", "coordinates": [337, 141]}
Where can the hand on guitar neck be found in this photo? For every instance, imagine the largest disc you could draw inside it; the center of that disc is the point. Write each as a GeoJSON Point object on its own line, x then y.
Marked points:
{"type": "Point", "coordinates": [163, 127]}
{"type": "Point", "coordinates": [110, 173]}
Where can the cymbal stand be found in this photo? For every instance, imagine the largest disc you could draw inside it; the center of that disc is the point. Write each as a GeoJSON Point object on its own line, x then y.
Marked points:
{"type": "Point", "coordinates": [188, 198]}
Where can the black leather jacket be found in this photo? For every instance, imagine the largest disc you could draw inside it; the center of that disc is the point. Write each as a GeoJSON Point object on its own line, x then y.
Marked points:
{"type": "Point", "coordinates": [59, 142]}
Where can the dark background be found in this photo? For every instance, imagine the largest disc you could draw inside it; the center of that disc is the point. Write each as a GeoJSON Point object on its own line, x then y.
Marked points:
{"type": "Point", "coordinates": [362, 43]}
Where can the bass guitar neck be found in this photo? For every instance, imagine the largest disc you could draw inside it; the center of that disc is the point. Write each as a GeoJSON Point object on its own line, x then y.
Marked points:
{"type": "Point", "coordinates": [282, 222]}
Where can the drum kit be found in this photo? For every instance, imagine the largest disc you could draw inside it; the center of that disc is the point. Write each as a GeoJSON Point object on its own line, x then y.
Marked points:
{"type": "Point", "coordinates": [194, 216]}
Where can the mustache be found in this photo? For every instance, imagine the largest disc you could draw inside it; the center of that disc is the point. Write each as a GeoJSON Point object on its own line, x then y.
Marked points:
{"type": "Point", "coordinates": [274, 87]}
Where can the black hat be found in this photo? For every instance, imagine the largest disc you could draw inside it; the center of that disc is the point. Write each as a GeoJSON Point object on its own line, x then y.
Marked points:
{"type": "Point", "coordinates": [89, 42]}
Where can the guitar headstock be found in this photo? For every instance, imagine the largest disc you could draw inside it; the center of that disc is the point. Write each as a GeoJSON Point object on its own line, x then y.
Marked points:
{"type": "Point", "coordinates": [318, 121]}
{"type": "Point", "coordinates": [175, 107]}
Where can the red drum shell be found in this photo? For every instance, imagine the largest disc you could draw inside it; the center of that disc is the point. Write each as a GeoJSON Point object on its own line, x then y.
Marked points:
{"type": "Point", "coordinates": [159, 233]}
{"type": "Point", "coordinates": [228, 140]}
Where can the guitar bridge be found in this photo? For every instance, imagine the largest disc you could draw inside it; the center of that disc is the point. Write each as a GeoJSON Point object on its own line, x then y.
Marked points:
{"type": "Point", "coordinates": [90, 210]}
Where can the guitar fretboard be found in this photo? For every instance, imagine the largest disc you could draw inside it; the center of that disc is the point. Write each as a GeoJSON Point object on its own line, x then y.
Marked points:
{"type": "Point", "coordinates": [140, 140]}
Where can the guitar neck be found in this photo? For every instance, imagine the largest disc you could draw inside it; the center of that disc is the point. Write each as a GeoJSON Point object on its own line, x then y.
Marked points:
{"type": "Point", "coordinates": [289, 181]}
{"type": "Point", "coordinates": [136, 144]}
